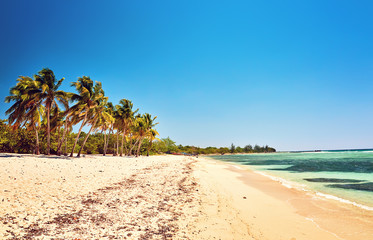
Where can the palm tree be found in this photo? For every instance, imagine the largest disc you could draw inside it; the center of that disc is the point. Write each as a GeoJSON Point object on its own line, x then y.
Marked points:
{"type": "Point", "coordinates": [105, 119]}
{"type": "Point", "coordinates": [140, 130]}
{"type": "Point", "coordinates": [144, 125]}
{"type": "Point", "coordinates": [47, 91]}
{"type": "Point", "coordinates": [96, 111]}
{"type": "Point", "coordinates": [152, 135]}
{"type": "Point", "coordinates": [27, 109]}
{"type": "Point", "coordinates": [117, 126]}
{"type": "Point", "coordinates": [124, 117]}
{"type": "Point", "coordinates": [111, 111]}
{"type": "Point", "coordinates": [85, 101]}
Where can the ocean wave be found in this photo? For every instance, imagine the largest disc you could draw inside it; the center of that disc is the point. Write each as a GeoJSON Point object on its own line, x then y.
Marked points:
{"type": "Point", "coordinates": [284, 182]}
{"type": "Point", "coordinates": [302, 187]}
{"type": "Point", "coordinates": [328, 196]}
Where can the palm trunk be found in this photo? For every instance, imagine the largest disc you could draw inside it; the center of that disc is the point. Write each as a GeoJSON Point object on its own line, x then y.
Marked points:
{"type": "Point", "coordinates": [48, 130]}
{"type": "Point", "coordinates": [58, 136]}
{"type": "Point", "coordinates": [107, 142]}
{"type": "Point", "coordinates": [77, 137]}
{"type": "Point", "coordinates": [117, 143]}
{"type": "Point", "coordinates": [114, 143]}
{"type": "Point", "coordinates": [62, 140]}
{"type": "Point", "coordinates": [104, 143]}
{"type": "Point", "coordinates": [130, 146]}
{"type": "Point", "coordinates": [37, 151]}
{"type": "Point", "coordinates": [67, 137]}
{"type": "Point", "coordinates": [150, 147]}
{"type": "Point", "coordinates": [86, 137]}
{"type": "Point", "coordinates": [121, 148]}
{"type": "Point", "coordinates": [130, 152]}
{"type": "Point", "coordinates": [138, 149]}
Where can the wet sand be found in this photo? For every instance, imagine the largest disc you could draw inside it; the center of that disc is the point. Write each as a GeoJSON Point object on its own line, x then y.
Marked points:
{"type": "Point", "coordinates": [269, 210]}
{"type": "Point", "coordinates": [161, 197]}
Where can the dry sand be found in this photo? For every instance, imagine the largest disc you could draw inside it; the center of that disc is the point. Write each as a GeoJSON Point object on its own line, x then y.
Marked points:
{"type": "Point", "coordinates": [161, 197]}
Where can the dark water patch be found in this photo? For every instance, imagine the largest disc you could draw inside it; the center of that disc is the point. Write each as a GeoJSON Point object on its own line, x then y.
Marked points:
{"type": "Point", "coordinates": [330, 162]}
{"type": "Point", "coordinates": [333, 180]}
{"type": "Point", "coordinates": [268, 162]}
{"type": "Point", "coordinates": [359, 186]}
{"type": "Point", "coordinates": [330, 166]}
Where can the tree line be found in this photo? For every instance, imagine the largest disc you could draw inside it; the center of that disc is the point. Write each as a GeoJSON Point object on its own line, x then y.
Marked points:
{"type": "Point", "coordinates": [20, 140]}
{"type": "Point", "coordinates": [224, 150]}
{"type": "Point", "coordinates": [42, 117]}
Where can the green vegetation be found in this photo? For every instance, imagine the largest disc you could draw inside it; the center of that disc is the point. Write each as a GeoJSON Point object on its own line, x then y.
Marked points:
{"type": "Point", "coordinates": [20, 140]}
{"type": "Point", "coordinates": [224, 150]}
{"type": "Point", "coordinates": [37, 111]}
{"type": "Point", "coordinates": [42, 117]}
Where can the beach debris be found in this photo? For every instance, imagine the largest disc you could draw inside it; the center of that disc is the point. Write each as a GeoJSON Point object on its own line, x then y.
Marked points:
{"type": "Point", "coordinates": [144, 205]}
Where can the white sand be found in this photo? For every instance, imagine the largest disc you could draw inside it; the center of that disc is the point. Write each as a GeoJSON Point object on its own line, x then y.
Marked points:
{"type": "Point", "coordinates": [94, 197]}
{"type": "Point", "coordinates": [161, 197]}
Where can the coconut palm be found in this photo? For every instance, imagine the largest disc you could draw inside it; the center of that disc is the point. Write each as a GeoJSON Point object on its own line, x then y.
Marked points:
{"type": "Point", "coordinates": [140, 129]}
{"type": "Point", "coordinates": [67, 124]}
{"type": "Point", "coordinates": [85, 101]}
{"type": "Point", "coordinates": [111, 110]}
{"type": "Point", "coordinates": [96, 111]}
{"type": "Point", "coordinates": [124, 117]}
{"type": "Point", "coordinates": [144, 125]}
{"type": "Point", "coordinates": [27, 109]}
{"type": "Point", "coordinates": [105, 120]}
{"type": "Point", "coordinates": [47, 91]}
{"type": "Point", "coordinates": [152, 135]}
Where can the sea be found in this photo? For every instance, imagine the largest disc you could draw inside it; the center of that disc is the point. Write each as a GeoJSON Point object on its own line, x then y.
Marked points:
{"type": "Point", "coordinates": [343, 175]}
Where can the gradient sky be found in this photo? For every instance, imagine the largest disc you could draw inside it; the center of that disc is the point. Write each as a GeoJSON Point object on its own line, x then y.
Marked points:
{"type": "Point", "coordinates": [295, 75]}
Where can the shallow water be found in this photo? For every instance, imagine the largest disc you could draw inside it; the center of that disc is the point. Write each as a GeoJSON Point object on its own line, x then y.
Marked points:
{"type": "Point", "coordinates": [344, 174]}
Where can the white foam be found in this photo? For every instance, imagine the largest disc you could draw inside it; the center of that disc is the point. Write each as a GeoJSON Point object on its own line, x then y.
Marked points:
{"type": "Point", "coordinates": [328, 196]}
{"type": "Point", "coordinates": [284, 182]}
{"type": "Point", "coordinates": [313, 221]}
{"type": "Point", "coordinates": [302, 187]}
{"type": "Point", "coordinates": [238, 167]}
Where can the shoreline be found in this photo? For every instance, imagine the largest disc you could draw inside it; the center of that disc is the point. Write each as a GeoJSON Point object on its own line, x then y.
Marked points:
{"type": "Point", "coordinates": [302, 186]}
{"type": "Point", "coordinates": [289, 184]}
{"type": "Point", "coordinates": [340, 220]}
{"type": "Point", "coordinates": [162, 197]}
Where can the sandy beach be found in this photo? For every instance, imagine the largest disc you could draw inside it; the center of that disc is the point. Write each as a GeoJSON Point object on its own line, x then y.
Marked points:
{"type": "Point", "coordinates": [161, 197]}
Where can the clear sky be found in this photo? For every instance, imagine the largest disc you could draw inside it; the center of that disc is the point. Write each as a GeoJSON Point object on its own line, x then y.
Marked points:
{"type": "Point", "coordinates": [294, 75]}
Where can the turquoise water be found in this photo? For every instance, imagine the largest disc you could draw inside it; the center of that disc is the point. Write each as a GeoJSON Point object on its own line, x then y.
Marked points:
{"type": "Point", "coordinates": [344, 174]}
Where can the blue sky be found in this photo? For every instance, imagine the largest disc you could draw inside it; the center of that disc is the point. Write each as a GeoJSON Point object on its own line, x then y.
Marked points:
{"type": "Point", "coordinates": [294, 75]}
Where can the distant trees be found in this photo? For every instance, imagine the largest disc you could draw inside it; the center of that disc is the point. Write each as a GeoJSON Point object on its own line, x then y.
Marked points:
{"type": "Point", "coordinates": [172, 148]}
{"type": "Point", "coordinates": [233, 148]}
{"type": "Point", "coordinates": [248, 148]}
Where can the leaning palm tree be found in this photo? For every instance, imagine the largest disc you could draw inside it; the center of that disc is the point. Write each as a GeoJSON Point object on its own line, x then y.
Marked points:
{"type": "Point", "coordinates": [57, 123]}
{"type": "Point", "coordinates": [105, 120]}
{"type": "Point", "coordinates": [47, 91]}
{"type": "Point", "coordinates": [85, 101]}
{"type": "Point", "coordinates": [152, 135]}
{"type": "Point", "coordinates": [96, 111]}
{"type": "Point", "coordinates": [140, 129]}
{"type": "Point", "coordinates": [27, 109]}
{"type": "Point", "coordinates": [111, 111]}
{"type": "Point", "coordinates": [148, 124]}
{"type": "Point", "coordinates": [125, 116]}
{"type": "Point", "coordinates": [116, 126]}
